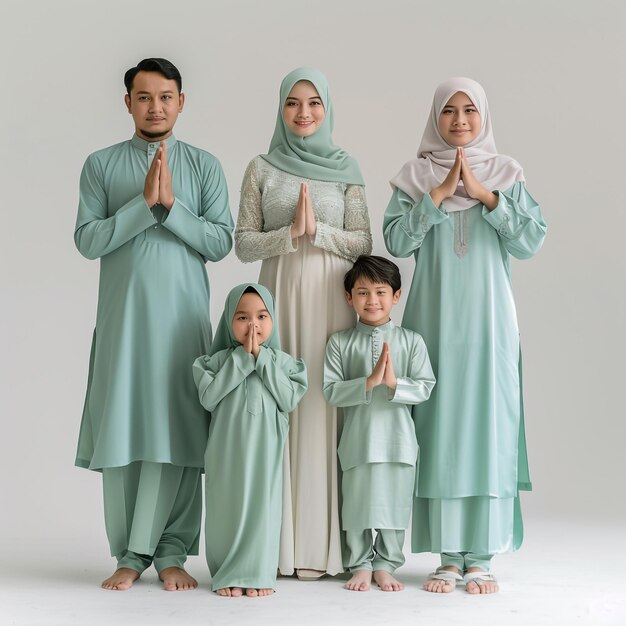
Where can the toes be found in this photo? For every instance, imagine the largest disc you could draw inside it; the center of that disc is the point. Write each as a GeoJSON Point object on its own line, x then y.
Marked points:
{"type": "Point", "coordinates": [472, 587]}
{"type": "Point", "coordinates": [434, 586]}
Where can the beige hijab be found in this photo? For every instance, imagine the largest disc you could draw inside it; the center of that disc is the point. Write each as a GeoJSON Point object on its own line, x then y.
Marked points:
{"type": "Point", "coordinates": [435, 157]}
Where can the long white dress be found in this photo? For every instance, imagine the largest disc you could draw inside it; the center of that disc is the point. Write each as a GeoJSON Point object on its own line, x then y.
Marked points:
{"type": "Point", "coordinates": [306, 277]}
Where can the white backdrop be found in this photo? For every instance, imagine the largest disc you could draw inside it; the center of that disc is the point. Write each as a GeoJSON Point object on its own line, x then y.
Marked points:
{"type": "Point", "coordinates": [553, 72]}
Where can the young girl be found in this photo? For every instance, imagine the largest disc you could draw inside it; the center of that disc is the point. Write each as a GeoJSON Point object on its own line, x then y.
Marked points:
{"type": "Point", "coordinates": [462, 210]}
{"type": "Point", "coordinates": [249, 386]}
{"type": "Point", "coordinates": [303, 212]}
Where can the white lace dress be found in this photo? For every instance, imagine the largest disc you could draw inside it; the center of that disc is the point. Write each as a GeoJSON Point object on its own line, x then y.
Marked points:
{"type": "Point", "coordinates": [306, 277]}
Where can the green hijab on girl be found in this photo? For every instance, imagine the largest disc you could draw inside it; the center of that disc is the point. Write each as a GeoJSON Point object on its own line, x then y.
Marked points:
{"type": "Point", "coordinates": [224, 337]}
{"type": "Point", "coordinates": [315, 157]}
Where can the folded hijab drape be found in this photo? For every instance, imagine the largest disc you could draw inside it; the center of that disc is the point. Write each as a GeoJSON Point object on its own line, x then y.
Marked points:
{"type": "Point", "coordinates": [315, 157]}
{"type": "Point", "coordinates": [435, 157]}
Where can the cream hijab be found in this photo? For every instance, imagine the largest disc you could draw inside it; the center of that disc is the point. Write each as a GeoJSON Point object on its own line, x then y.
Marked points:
{"type": "Point", "coordinates": [435, 157]}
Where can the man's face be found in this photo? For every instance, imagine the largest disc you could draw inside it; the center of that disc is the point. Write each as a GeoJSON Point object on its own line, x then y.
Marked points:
{"type": "Point", "coordinates": [154, 103]}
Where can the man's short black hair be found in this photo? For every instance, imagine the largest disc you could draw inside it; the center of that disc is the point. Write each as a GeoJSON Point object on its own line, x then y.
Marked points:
{"type": "Point", "coordinates": [378, 269]}
{"type": "Point", "coordinates": [162, 66]}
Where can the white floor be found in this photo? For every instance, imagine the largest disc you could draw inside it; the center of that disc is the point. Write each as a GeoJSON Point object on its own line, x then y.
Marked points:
{"type": "Point", "coordinates": [565, 574]}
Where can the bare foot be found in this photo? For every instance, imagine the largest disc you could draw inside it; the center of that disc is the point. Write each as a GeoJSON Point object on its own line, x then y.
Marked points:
{"type": "Point", "coordinates": [481, 585]}
{"type": "Point", "coordinates": [437, 585]}
{"type": "Point", "coordinates": [177, 579]}
{"type": "Point", "coordinates": [230, 592]}
{"type": "Point", "coordinates": [360, 581]}
{"type": "Point", "coordinates": [251, 592]}
{"type": "Point", "coordinates": [121, 580]}
{"type": "Point", "coordinates": [386, 581]}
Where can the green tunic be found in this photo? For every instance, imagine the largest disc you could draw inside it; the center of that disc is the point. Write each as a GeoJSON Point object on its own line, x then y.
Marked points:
{"type": "Point", "coordinates": [153, 305]}
{"type": "Point", "coordinates": [378, 433]}
{"type": "Point", "coordinates": [471, 431]}
{"type": "Point", "coordinates": [249, 400]}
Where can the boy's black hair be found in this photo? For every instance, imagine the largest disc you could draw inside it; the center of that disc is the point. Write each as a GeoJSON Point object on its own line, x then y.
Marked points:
{"type": "Point", "coordinates": [378, 269]}
{"type": "Point", "coordinates": [162, 66]}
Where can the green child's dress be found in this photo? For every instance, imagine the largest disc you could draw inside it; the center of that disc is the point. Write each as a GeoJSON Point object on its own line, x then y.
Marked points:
{"type": "Point", "coordinates": [249, 400]}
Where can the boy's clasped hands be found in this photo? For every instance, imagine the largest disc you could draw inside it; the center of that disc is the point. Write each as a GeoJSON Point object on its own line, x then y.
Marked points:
{"type": "Point", "coordinates": [383, 373]}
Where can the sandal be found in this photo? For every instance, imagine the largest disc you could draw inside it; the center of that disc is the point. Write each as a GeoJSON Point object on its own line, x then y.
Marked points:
{"type": "Point", "coordinates": [449, 578]}
{"type": "Point", "coordinates": [478, 578]}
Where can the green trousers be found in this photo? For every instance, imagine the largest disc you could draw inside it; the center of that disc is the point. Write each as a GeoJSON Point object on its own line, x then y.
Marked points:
{"type": "Point", "coordinates": [465, 560]}
{"type": "Point", "coordinates": [384, 553]}
{"type": "Point", "coordinates": [152, 513]}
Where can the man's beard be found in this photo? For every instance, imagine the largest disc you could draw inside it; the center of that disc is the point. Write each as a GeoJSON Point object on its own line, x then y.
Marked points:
{"type": "Point", "coordinates": [151, 135]}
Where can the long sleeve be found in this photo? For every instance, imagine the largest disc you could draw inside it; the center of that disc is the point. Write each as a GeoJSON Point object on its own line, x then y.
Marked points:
{"type": "Point", "coordinates": [406, 222]}
{"type": "Point", "coordinates": [338, 391]}
{"type": "Point", "coordinates": [519, 222]}
{"type": "Point", "coordinates": [283, 376]}
{"type": "Point", "coordinates": [355, 238]}
{"type": "Point", "coordinates": [416, 387]}
{"type": "Point", "coordinates": [252, 243]}
{"type": "Point", "coordinates": [216, 377]}
{"type": "Point", "coordinates": [210, 232]}
{"type": "Point", "coordinates": [96, 234]}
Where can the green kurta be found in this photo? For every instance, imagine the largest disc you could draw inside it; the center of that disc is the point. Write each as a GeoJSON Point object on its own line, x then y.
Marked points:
{"type": "Point", "coordinates": [153, 304]}
{"type": "Point", "coordinates": [378, 426]}
{"type": "Point", "coordinates": [249, 401]}
{"type": "Point", "coordinates": [471, 430]}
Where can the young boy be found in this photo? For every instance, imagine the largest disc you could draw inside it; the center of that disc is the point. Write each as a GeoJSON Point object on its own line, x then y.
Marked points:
{"type": "Point", "coordinates": [376, 371]}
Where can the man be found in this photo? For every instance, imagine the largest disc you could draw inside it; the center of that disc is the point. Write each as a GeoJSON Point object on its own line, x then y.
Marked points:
{"type": "Point", "coordinates": [154, 210]}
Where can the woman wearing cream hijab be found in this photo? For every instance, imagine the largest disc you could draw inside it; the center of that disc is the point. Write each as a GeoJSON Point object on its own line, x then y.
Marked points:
{"type": "Point", "coordinates": [462, 210]}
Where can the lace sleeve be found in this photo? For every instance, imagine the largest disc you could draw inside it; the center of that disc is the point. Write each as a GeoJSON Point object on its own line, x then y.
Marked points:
{"type": "Point", "coordinates": [355, 238]}
{"type": "Point", "coordinates": [252, 243]}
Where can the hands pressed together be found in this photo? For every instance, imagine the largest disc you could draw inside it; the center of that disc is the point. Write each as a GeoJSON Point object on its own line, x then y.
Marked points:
{"type": "Point", "coordinates": [252, 341]}
{"type": "Point", "coordinates": [158, 185]}
{"type": "Point", "coordinates": [461, 171]}
{"type": "Point", "coordinates": [383, 373]}
{"type": "Point", "coordinates": [304, 221]}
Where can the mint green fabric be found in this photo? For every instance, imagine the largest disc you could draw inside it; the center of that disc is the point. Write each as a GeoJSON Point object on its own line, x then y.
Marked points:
{"type": "Point", "coordinates": [378, 449]}
{"type": "Point", "coordinates": [152, 513]}
{"type": "Point", "coordinates": [153, 305]}
{"type": "Point", "coordinates": [383, 553]}
{"type": "Point", "coordinates": [377, 495]}
{"type": "Point", "coordinates": [316, 156]}
{"type": "Point", "coordinates": [462, 305]}
{"type": "Point", "coordinates": [378, 426]}
{"type": "Point", "coordinates": [477, 524]}
{"type": "Point", "coordinates": [464, 560]}
{"type": "Point", "coordinates": [471, 431]}
{"type": "Point", "coordinates": [249, 400]}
